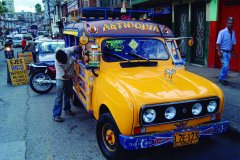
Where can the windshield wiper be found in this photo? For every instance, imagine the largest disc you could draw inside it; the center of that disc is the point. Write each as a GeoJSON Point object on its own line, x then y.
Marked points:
{"type": "Point", "coordinates": [115, 55]}
{"type": "Point", "coordinates": [139, 56]}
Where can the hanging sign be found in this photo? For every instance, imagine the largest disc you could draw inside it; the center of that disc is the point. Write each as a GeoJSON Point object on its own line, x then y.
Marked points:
{"type": "Point", "coordinates": [17, 70]}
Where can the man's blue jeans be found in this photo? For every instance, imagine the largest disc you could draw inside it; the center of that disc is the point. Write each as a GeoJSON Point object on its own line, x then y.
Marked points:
{"type": "Point", "coordinates": [225, 65]}
{"type": "Point", "coordinates": [64, 92]}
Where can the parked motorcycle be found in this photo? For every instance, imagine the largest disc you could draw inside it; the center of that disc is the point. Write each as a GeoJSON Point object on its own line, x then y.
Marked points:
{"type": "Point", "coordinates": [8, 51]}
{"type": "Point", "coordinates": [42, 77]}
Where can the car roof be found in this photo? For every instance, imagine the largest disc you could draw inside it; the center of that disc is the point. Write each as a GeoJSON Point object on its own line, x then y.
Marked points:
{"type": "Point", "coordinates": [53, 41]}
{"type": "Point", "coordinates": [18, 35]}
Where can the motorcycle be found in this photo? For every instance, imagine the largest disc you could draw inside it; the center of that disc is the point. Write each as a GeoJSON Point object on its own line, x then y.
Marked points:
{"type": "Point", "coordinates": [8, 51]}
{"type": "Point", "coordinates": [42, 77]}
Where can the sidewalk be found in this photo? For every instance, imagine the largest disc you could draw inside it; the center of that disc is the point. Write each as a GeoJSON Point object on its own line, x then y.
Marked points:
{"type": "Point", "coordinates": [231, 92]}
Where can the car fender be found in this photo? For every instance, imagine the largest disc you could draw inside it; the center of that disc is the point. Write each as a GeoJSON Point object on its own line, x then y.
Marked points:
{"type": "Point", "coordinates": [118, 102]}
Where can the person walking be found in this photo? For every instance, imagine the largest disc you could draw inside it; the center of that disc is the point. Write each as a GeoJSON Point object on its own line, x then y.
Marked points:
{"type": "Point", "coordinates": [225, 45]}
{"type": "Point", "coordinates": [64, 75]}
{"type": "Point", "coordinates": [24, 44]}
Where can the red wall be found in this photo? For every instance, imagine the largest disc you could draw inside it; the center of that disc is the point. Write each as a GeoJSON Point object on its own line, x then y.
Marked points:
{"type": "Point", "coordinates": [213, 58]}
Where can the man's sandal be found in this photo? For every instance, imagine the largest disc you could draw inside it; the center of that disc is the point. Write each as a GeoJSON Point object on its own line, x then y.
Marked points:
{"type": "Point", "coordinates": [58, 119]}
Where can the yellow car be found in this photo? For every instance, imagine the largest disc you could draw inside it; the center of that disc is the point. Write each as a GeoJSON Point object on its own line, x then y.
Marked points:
{"type": "Point", "coordinates": [129, 80]}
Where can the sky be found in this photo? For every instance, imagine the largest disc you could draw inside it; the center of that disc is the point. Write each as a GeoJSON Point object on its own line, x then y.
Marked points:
{"type": "Point", "coordinates": [26, 5]}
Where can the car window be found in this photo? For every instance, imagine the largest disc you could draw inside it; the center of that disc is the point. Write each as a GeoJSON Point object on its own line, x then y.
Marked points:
{"type": "Point", "coordinates": [133, 49]}
{"type": "Point", "coordinates": [51, 47]}
{"type": "Point", "coordinates": [17, 38]}
{"type": "Point", "coordinates": [29, 38]}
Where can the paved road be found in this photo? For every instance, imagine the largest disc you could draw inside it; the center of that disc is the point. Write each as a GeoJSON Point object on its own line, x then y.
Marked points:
{"type": "Point", "coordinates": [27, 132]}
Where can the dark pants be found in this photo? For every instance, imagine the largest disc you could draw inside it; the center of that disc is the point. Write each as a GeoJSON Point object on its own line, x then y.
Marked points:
{"type": "Point", "coordinates": [64, 92]}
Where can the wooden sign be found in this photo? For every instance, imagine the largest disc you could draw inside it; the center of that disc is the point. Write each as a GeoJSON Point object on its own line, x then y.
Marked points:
{"type": "Point", "coordinates": [17, 70]}
{"type": "Point", "coordinates": [27, 56]}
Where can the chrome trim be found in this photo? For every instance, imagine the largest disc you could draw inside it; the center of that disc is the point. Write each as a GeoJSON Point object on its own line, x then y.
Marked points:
{"type": "Point", "coordinates": [179, 102]}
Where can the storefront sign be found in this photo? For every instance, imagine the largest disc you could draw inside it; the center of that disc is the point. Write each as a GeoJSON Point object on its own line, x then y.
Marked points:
{"type": "Point", "coordinates": [17, 70]}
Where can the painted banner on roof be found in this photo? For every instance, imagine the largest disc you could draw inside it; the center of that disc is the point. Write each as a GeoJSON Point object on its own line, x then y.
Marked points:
{"type": "Point", "coordinates": [119, 27]}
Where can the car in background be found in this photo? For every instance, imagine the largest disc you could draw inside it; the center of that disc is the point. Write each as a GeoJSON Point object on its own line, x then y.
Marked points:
{"type": "Point", "coordinates": [42, 34]}
{"type": "Point", "coordinates": [17, 40]}
{"type": "Point", "coordinates": [29, 37]}
{"type": "Point", "coordinates": [46, 50]}
{"type": "Point", "coordinates": [8, 39]}
{"type": "Point", "coordinates": [24, 31]}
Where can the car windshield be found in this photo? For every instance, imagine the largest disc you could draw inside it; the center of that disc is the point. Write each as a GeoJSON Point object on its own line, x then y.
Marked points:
{"type": "Point", "coordinates": [123, 49]}
{"type": "Point", "coordinates": [42, 33]}
{"type": "Point", "coordinates": [51, 47]}
{"type": "Point", "coordinates": [17, 38]}
{"type": "Point", "coordinates": [29, 38]}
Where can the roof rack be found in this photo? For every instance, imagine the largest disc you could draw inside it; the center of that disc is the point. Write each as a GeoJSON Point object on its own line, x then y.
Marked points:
{"type": "Point", "coordinates": [99, 13]}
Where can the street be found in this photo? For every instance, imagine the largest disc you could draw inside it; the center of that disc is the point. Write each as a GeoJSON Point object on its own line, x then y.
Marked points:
{"type": "Point", "coordinates": [28, 132]}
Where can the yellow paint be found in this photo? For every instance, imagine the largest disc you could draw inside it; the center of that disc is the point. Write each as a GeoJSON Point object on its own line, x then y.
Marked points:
{"type": "Point", "coordinates": [17, 71]}
{"type": "Point", "coordinates": [74, 33]}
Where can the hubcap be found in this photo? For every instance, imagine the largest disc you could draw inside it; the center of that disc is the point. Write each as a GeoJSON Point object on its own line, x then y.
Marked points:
{"type": "Point", "coordinates": [41, 86]}
{"type": "Point", "coordinates": [109, 137]}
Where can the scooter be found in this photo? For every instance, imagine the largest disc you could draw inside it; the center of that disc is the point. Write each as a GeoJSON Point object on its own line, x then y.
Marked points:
{"type": "Point", "coordinates": [42, 77]}
{"type": "Point", "coordinates": [8, 51]}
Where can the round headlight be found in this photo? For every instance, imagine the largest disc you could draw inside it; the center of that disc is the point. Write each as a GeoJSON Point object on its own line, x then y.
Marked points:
{"type": "Point", "coordinates": [149, 115]}
{"type": "Point", "coordinates": [170, 113]}
{"type": "Point", "coordinates": [196, 109]}
{"type": "Point", "coordinates": [212, 106]}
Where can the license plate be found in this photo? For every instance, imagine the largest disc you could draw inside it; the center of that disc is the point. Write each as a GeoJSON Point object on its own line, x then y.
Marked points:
{"type": "Point", "coordinates": [185, 138]}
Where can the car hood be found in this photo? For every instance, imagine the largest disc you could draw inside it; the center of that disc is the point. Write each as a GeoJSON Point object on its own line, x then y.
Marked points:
{"type": "Point", "coordinates": [43, 57]}
{"type": "Point", "coordinates": [152, 86]}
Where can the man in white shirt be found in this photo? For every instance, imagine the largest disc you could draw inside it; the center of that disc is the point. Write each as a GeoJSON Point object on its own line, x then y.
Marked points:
{"type": "Point", "coordinates": [64, 67]}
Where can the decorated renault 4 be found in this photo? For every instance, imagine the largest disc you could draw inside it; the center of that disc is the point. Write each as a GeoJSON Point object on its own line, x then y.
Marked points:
{"type": "Point", "coordinates": [129, 81]}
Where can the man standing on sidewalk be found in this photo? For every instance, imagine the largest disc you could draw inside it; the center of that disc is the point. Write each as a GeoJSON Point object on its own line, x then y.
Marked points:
{"type": "Point", "coordinates": [225, 45]}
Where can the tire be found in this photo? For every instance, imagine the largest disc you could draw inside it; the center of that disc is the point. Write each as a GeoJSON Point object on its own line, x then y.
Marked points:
{"type": "Point", "coordinates": [75, 100]}
{"type": "Point", "coordinates": [40, 88]}
{"type": "Point", "coordinates": [110, 148]}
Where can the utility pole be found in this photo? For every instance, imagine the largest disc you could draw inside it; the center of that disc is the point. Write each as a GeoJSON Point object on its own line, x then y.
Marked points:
{"type": "Point", "coordinates": [49, 18]}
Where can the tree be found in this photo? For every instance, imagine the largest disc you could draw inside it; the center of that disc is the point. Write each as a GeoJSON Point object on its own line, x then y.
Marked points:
{"type": "Point", "coordinates": [38, 8]}
{"type": "Point", "coordinates": [3, 9]}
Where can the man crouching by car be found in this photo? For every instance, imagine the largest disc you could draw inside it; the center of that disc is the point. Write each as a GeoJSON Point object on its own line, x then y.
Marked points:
{"type": "Point", "coordinates": [64, 74]}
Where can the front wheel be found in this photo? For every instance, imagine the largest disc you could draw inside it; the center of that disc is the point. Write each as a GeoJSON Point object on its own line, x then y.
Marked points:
{"type": "Point", "coordinates": [40, 82]}
{"type": "Point", "coordinates": [108, 138]}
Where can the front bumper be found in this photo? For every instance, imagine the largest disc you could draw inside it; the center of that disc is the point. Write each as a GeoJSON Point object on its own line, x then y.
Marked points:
{"type": "Point", "coordinates": [158, 139]}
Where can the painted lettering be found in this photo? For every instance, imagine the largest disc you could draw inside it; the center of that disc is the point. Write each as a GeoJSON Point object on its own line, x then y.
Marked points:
{"type": "Point", "coordinates": [156, 29]}
{"type": "Point", "coordinates": [106, 27]}
{"type": "Point", "coordinates": [113, 26]}
{"type": "Point", "coordinates": [130, 25]}
{"type": "Point", "coordinates": [138, 26]}
{"type": "Point", "coordinates": [144, 27]}
{"type": "Point", "coordinates": [119, 25]}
